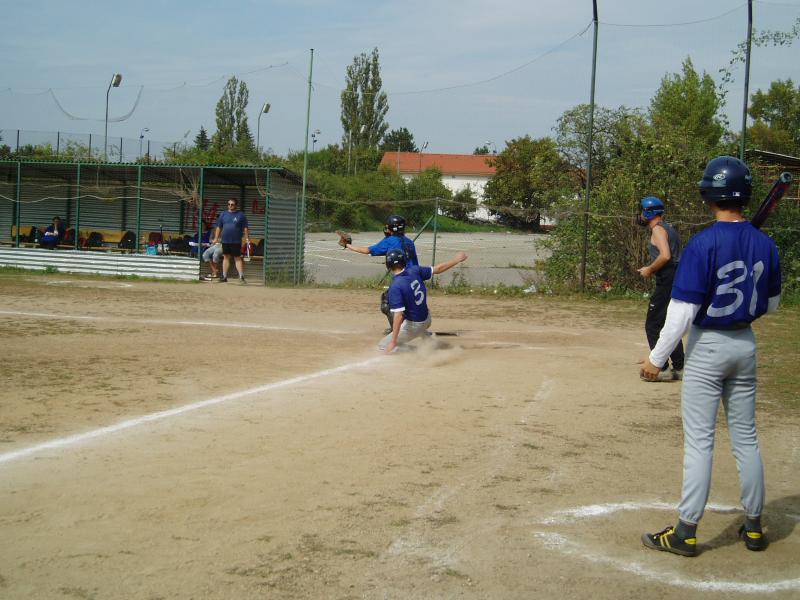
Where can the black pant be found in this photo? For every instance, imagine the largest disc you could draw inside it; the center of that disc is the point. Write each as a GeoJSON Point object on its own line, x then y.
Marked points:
{"type": "Point", "coordinates": [657, 314]}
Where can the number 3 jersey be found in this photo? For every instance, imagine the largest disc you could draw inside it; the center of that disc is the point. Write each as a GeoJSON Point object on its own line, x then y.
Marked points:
{"type": "Point", "coordinates": [407, 293]}
{"type": "Point", "coordinates": [731, 270]}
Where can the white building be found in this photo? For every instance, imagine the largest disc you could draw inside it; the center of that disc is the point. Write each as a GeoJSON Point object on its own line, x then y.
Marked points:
{"type": "Point", "coordinates": [459, 171]}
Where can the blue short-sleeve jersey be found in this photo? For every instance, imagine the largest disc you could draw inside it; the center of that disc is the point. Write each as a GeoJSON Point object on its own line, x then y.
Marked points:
{"type": "Point", "coordinates": [408, 293]}
{"type": "Point", "coordinates": [731, 270]}
{"type": "Point", "coordinates": [396, 241]}
{"type": "Point", "coordinates": [232, 225]}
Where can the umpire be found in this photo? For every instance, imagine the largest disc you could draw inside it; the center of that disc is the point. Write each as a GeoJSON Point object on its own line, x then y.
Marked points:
{"type": "Point", "coordinates": [665, 252]}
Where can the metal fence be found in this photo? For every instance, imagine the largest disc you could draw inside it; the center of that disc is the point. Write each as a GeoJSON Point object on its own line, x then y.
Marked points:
{"type": "Point", "coordinates": [64, 145]}
{"type": "Point", "coordinates": [138, 208]}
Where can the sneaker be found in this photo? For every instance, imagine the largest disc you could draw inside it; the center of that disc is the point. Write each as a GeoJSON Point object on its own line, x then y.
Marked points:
{"type": "Point", "coordinates": [668, 541]}
{"type": "Point", "coordinates": [242, 281]}
{"type": "Point", "coordinates": [677, 374]}
{"type": "Point", "coordinates": [753, 540]}
{"type": "Point", "coordinates": [223, 280]}
{"type": "Point", "coordinates": [208, 277]}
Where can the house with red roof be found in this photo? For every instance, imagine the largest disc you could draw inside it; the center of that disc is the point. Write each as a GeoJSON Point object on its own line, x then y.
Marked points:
{"type": "Point", "coordinates": [459, 171]}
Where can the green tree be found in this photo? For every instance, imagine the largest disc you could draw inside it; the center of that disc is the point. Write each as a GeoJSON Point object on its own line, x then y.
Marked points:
{"type": "Point", "coordinates": [201, 140]}
{"type": "Point", "coordinates": [399, 140]}
{"type": "Point", "coordinates": [233, 132]}
{"type": "Point", "coordinates": [464, 203]}
{"type": "Point", "coordinates": [610, 128]}
{"type": "Point", "coordinates": [423, 190]}
{"type": "Point", "coordinates": [531, 176]}
{"type": "Point", "coordinates": [688, 104]}
{"type": "Point", "coordinates": [364, 104]}
{"type": "Point", "coordinates": [777, 118]}
{"type": "Point", "coordinates": [481, 150]}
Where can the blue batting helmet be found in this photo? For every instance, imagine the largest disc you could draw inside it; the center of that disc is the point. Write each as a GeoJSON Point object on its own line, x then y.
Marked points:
{"type": "Point", "coordinates": [651, 207]}
{"type": "Point", "coordinates": [726, 178]}
{"type": "Point", "coordinates": [396, 224]}
{"type": "Point", "coordinates": [395, 258]}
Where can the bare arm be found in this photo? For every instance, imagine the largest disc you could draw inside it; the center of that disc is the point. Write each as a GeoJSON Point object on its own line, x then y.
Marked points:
{"type": "Point", "coordinates": [399, 317]}
{"type": "Point", "coordinates": [359, 249]}
{"type": "Point", "coordinates": [442, 267]}
{"type": "Point", "coordinates": [247, 234]}
{"type": "Point", "coordinates": [660, 240]}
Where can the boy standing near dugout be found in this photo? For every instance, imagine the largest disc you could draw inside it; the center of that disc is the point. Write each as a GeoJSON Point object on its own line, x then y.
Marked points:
{"type": "Point", "coordinates": [729, 275]}
{"type": "Point", "coordinates": [665, 252]}
{"type": "Point", "coordinates": [408, 298]}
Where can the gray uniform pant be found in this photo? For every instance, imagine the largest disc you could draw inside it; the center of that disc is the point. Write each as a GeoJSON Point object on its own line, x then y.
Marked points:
{"type": "Point", "coordinates": [408, 331]}
{"type": "Point", "coordinates": [720, 365]}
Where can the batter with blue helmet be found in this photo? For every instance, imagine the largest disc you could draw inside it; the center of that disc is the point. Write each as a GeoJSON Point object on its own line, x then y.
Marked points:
{"type": "Point", "coordinates": [729, 275]}
{"type": "Point", "coordinates": [665, 252]}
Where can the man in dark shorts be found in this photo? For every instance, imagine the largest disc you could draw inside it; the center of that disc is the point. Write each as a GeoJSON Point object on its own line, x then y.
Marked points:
{"type": "Point", "coordinates": [231, 226]}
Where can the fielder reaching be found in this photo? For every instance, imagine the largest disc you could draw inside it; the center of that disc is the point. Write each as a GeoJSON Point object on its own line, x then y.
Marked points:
{"type": "Point", "coordinates": [665, 252]}
{"type": "Point", "coordinates": [394, 237]}
{"type": "Point", "coordinates": [729, 275]}
{"type": "Point", "coordinates": [408, 301]}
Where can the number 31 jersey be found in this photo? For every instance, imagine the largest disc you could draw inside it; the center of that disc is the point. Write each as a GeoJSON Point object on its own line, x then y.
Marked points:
{"type": "Point", "coordinates": [731, 270]}
{"type": "Point", "coordinates": [408, 293]}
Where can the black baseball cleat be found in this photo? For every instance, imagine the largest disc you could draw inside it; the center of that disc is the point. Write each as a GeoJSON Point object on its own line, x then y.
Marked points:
{"type": "Point", "coordinates": [753, 540]}
{"type": "Point", "coordinates": [668, 541]}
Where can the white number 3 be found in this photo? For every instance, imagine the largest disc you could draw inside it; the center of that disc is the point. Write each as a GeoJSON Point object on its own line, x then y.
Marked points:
{"type": "Point", "coordinates": [419, 295]}
{"type": "Point", "coordinates": [729, 288]}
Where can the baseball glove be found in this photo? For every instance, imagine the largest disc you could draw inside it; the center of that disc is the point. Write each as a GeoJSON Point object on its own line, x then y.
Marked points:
{"type": "Point", "coordinates": [344, 238]}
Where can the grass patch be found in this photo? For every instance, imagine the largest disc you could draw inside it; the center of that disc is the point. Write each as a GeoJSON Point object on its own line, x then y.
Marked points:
{"type": "Point", "coordinates": [777, 338]}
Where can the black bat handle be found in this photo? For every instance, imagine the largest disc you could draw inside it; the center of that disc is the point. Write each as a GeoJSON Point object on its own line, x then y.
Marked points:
{"type": "Point", "coordinates": [775, 194]}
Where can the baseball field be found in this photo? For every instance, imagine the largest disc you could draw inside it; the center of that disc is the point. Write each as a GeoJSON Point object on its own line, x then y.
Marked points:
{"type": "Point", "coordinates": [191, 441]}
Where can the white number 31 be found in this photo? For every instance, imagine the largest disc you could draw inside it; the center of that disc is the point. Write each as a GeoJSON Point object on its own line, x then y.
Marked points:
{"type": "Point", "coordinates": [729, 288]}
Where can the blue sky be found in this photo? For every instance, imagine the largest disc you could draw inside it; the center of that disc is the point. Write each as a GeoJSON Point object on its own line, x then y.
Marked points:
{"type": "Point", "coordinates": [74, 48]}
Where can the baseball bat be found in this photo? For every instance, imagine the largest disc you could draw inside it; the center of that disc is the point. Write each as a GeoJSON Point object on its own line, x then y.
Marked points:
{"type": "Point", "coordinates": [768, 205]}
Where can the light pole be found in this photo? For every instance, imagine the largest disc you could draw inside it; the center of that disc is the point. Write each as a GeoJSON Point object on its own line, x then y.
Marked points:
{"type": "Point", "coordinates": [492, 144]}
{"type": "Point", "coordinates": [115, 81]}
{"type": "Point", "coordinates": [314, 139]}
{"type": "Point", "coordinates": [141, 137]}
{"type": "Point", "coordinates": [264, 110]}
{"type": "Point", "coordinates": [421, 150]}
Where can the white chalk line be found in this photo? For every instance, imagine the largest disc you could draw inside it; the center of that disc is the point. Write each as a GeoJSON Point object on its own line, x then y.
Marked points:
{"type": "Point", "coordinates": [170, 322]}
{"type": "Point", "coordinates": [564, 544]}
{"type": "Point", "coordinates": [172, 412]}
{"type": "Point", "coordinates": [79, 283]}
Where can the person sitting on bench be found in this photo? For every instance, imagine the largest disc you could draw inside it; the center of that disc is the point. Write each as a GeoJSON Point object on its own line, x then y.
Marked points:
{"type": "Point", "coordinates": [53, 235]}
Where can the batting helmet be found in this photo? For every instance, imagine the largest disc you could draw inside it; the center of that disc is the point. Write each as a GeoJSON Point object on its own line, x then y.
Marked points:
{"type": "Point", "coordinates": [396, 224]}
{"type": "Point", "coordinates": [726, 178]}
{"type": "Point", "coordinates": [651, 207]}
{"type": "Point", "coordinates": [395, 258]}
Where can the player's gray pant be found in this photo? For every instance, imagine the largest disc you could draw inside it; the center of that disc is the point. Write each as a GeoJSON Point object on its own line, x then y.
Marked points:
{"type": "Point", "coordinates": [719, 365]}
{"type": "Point", "coordinates": [408, 331]}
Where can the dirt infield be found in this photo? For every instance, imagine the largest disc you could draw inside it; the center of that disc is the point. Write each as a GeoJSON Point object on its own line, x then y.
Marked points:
{"type": "Point", "coordinates": [163, 440]}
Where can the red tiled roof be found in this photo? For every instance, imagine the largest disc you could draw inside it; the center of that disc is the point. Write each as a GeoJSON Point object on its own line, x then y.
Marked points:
{"type": "Point", "coordinates": [448, 164]}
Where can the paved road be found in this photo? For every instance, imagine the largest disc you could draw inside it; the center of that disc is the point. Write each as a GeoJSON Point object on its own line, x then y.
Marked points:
{"type": "Point", "coordinates": [507, 258]}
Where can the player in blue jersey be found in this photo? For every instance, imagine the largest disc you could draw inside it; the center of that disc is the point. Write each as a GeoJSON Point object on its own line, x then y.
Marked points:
{"type": "Point", "coordinates": [408, 298]}
{"type": "Point", "coordinates": [394, 237]}
{"type": "Point", "coordinates": [729, 275]}
{"type": "Point", "coordinates": [665, 253]}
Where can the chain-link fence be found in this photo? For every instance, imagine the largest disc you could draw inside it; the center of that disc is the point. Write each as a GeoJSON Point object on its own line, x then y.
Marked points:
{"type": "Point", "coordinates": [63, 145]}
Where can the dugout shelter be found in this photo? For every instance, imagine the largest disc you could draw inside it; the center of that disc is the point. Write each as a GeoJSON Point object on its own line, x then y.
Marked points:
{"type": "Point", "coordinates": [143, 219]}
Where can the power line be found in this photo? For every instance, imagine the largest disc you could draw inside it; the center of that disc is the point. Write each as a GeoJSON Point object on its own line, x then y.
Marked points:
{"type": "Point", "coordinates": [679, 24]}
